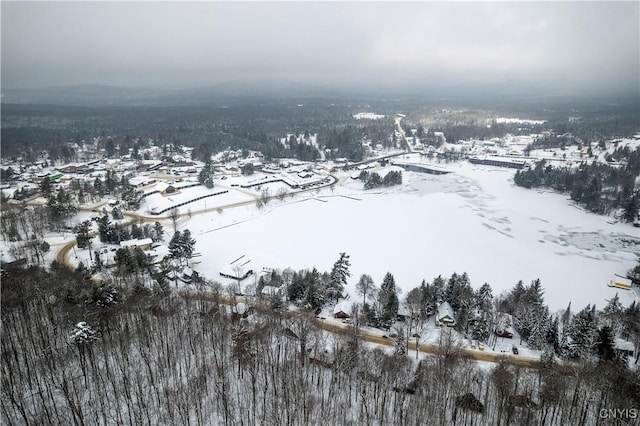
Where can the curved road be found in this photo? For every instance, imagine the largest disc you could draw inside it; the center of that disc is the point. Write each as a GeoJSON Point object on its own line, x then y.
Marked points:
{"type": "Point", "coordinates": [433, 349]}
{"type": "Point", "coordinates": [366, 336]}
{"type": "Point", "coordinates": [343, 329]}
{"type": "Point", "coordinates": [61, 256]}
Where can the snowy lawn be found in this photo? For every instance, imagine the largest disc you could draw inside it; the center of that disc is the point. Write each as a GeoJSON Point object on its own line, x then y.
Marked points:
{"type": "Point", "coordinates": [160, 202]}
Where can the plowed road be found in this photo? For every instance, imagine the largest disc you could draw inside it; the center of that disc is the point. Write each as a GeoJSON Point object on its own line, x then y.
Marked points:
{"type": "Point", "coordinates": [364, 335]}
{"type": "Point", "coordinates": [343, 329]}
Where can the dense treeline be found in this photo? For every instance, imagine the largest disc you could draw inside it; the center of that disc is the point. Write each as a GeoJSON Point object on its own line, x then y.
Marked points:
{"type": "Point", "coordinates": [257, 125]}
{"type": "Point", "coordinates": [612, 120]}
{"type": "Point", "coordinates": [30, 130]}
{"type": "Point", "coordinates": [373, 180]}
{"type": "Point", "coordinates": [601, 188]}
{"type": "Point", "coordinates": [581, 119]}
{"type": "Point", "coordinates": [467, 129]}
{"type": "Point", "coordinates": [73, 353]}
{"type": "Point", "coordinates": [587, 335]}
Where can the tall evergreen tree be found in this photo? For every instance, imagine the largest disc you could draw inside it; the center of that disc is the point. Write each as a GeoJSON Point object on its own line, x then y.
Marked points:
{"type": "Point", "coordinates": [82, 234]}
{"type": "Point", "coordinates": [388, 301]}
{"type": "Point", "coordinates": [437, 291]}
{"type": "Point", "coordinates": [428, 301]}
{"type": "Point", "coordinates": [630, 209]}
{"type": "Point", "coordinates": [205, 177]}
{"type": "Point", "coordinates": [534, 293]}
{"type": "Point", "coordinates": [612, 313]}
{"type": "Point", "coordinates": [529, 312]}
{"type": "Point", "coordinates": [604, 345]}
{"type": "Point", "coordinates": [338, 279]}
{"type": "Point", "coordinates": [104, 228]}
{"type": "Point", "coordinates": [158, 232]}
{"type": "Point", "coordinates": [369, 316]}
{"type": "Point", "coordinates": [539, 329]}
{"type": "Point", "coordinates": [582, 334]}
{"type": "Point", "coordinates": [188, 245]}
{"type": "Point", "coordinates": [552, 338]}
{"type": "Point", "coordinates": [45, 186]}
{"type": "Point", "coordinates": [634, 275]}
{"type": "Point", "coordinates": [566, 318]}
{"type": "Point", "coordinates": [296, 289]}
{"type": "Point", "coordinates": [314, 297]}
{"type": "Point", "coordinates": [484, 298]}
{"type": "Point", "coordinates": [630, 323]}
{"type": "Point", "coordinates": [124, 260]}
{"type": "Point", "coordinates": [175, 246]}
{"type": "Point", "coordinates": [458, 292]}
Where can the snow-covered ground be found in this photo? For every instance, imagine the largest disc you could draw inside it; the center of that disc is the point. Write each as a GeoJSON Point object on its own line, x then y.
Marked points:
{"type": "Point", "coordinates": [159, 202]}
{"type": "Point", "coordinates": [473, 220]}
{"type": "Point", "coordinates": [367, 116]}
{"type": "Point", "coordinates": [518, 121]}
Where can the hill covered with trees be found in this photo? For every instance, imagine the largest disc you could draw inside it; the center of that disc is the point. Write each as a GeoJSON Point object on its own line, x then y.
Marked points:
{"type": "Point", "coordinates": [77, 353]}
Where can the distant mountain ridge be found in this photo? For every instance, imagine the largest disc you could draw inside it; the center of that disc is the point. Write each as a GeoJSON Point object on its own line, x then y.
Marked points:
{"type": "Point", "coordinates": [103, 95]}
{"type": "Point", "coordinates": [269, 91]}
{"type": "Point", "coordinates": [89, 95]}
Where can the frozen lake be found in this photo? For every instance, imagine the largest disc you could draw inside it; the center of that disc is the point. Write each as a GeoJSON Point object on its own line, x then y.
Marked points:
{"type": "Point", "coordinates": [473, 220]}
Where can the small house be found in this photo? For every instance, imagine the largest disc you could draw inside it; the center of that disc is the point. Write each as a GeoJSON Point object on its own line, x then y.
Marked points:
{"type": "Point", "coordinates": [160, 187]}
{"type": "Point", "coordinates": [403, 312]}
{"type": "Point", "coordinates": [342, 310]}
{"type": "Point", "coordinates": [170, 189]}
{"type": "Point", "coordinates": [624, 347]}
{"type": "Point", "coordinates": [140, 181]}
{"type": "Point", "coordinates": [445, 316]}
{"type": "Point", "coordinates": [142, 244]}
{"type": "Point", "coordinates": [505, 326]}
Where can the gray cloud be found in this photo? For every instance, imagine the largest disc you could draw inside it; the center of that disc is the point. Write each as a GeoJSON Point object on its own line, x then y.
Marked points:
{"type": "Point", "coordinates": [553, 45]}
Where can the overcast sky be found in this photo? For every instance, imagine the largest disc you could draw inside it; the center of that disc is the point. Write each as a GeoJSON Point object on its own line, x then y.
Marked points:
{"type": "Point", "coordinates": [551, 45]}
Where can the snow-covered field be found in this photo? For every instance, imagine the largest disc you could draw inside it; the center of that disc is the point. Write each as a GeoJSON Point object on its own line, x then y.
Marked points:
{"type": "Point", "coordinates": [158, 202]}
{"type": "Point", "coordinates": [473, 220]}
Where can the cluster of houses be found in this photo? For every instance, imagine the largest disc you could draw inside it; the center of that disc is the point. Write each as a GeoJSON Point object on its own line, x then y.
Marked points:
{"type": "Point", "coordinates": [444, 314]}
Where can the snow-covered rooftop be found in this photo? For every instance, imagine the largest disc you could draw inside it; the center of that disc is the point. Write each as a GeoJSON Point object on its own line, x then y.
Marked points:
{"type": "Point", "coordinates": [136, 242]}
{"type": "Point", "coordinates": [445, 310]}
{"type": "Point", "coordinates": [343, 306]}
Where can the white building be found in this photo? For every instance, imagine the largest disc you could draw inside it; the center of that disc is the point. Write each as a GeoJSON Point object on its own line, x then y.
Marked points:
{"type": "Point", "coordinates": [445, 315]}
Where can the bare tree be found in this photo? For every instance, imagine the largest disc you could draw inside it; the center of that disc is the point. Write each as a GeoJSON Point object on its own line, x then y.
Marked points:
{"type": "Point", "coordinates": [365, 286]}
{"type": "Point", "coordinates": [282, 193]}
{"type": "Point", "coordinates": [174, 216]}
{"type": "Point", "coordinates": [449, 348]}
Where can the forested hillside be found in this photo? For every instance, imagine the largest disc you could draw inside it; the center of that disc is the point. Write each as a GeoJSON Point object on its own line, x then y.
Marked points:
{"type": "Point", "coordinates": [600, 188]}
{"type": "Point", "coordinates": [27, 130]}
{"type": "Point", "coordinates": [73, 353]}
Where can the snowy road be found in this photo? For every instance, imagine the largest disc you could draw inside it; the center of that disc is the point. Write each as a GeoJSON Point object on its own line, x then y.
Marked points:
{"type": "Point", "coordinates": [371, 337]}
